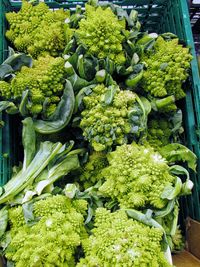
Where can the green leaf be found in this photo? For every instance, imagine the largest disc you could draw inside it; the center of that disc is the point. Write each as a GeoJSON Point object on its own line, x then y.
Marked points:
{"type": "Point", "coordinates": [176, 152]}
{"type": "Point", "coordinates": [29, 141]}
{"type": "Point", "coordinates": [28, 212]}
{"type": "Point", "coordinates": [22, 107]}
{"type": "Point", "coordinates": [165, 211]}
{"type": "Point", "coordinates": [188, 185]}
{"type": "Point", "coordinates": [70, 190]}
{"type": "Point", "coordinates": [146, 104]}
{"type": "Point", "coordinates": [89, 215]}
{"type": "Point", "coordinates": [5, 69]}
{"type": "Point", "coordinates": [3, 220]}
{"type": "Point", "coordinates": [62, 114]}
{"type": "Point", "coordinates": [16, 184]}
{"type": "Point", "coordinates": [69, 163]}
{"type": "Point", "coordinates": [134, 79]}
{"type": "Point", "coordinates": [79, 97]}
{"type": "Point", "coordinates": [179, 170]}
{"type": "Point", "coordinates": [171, 192]}
{"type": "Point", "coordinates": [10, 264]}
{"type": "Point", "coordinates": [18, 60]}
{"type": "Point", "coordinates": [109, 94]}
{"type": "Point", "coordinates": [10, 107]}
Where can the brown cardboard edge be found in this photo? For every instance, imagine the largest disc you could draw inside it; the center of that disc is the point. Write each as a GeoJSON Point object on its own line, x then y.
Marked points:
{"type": "Point", "coordinates": [193, 237]}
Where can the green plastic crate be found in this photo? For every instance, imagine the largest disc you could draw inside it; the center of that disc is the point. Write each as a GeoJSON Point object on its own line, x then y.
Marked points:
{"type": "Point", "coordinates": [155, 16]}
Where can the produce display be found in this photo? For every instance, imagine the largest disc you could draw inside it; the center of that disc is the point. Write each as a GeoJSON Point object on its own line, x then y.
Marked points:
{"type": "Point", "coordinates": [101, 175]}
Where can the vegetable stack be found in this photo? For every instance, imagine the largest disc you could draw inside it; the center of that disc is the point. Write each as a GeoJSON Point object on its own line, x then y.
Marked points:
{"type": "Point", "coordinates": [102, 132]}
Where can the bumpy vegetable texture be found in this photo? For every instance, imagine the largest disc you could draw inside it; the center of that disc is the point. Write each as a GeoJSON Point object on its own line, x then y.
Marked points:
{"type": "Point", "coordinates": [100, 31]}
{"type": "Point", "coordinates": [5, 90]}
{"type": "Point", "coordinates": [167, 68]}
{"type": "Point", "coordinates": [136, 177]}
{"type": "Point", "coordinates": [159, 132]}
{"type": "Point", "coordinates": [119, 241]}
{"type": "Point", "coordinates": [45, 82]}
{"type": "Point", "coordinates": [54, 237]}
{"type": "Point", "coordinates": [91, 171]}
{"type": "Point", "coordinates": [110, 116]}
{"type": "Point", "coordinates": [36, 29]}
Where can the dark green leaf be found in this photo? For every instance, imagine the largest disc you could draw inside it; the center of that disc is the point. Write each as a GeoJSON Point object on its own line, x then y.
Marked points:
{"type": "Point", "coordinates": [17, 60]}
{"type": "Point", "coordinates": [62, 114]}
{"type": "Point", "coordinates": [79, 97]}
{"type": "Point", "coordinates": [4, 105]}
{"type": "Point", "coordinates": [22, 107]}
{"type": "Point", "coordinates": [5, 69]}
{"type": "Point", "coordinates": [29, 141]}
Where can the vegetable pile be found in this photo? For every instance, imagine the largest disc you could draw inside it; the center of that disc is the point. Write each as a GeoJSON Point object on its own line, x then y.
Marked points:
{"type": "Point", "coordinates": [99, 101]}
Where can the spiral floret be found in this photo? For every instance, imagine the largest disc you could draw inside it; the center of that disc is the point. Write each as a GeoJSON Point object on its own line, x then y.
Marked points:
{"type": "Point", "coordinates": [53, 239]}
{"type": "Point", "coordinates": [91, 172]}
{"type": "Point", "coordinates": [119, 241]}
{"type": "Point", "coordinates": [159, 132]}
{"type": "Point", "coordinates": [105, 125]}
{"type": "Point", "coordinates": [136, 177]}
{"type": "Point", "coordinates": [45, 81]}
{"type": "Point", "coordinates": [36, 29]}
{"type": "Point", "coordinates": [5, 90]}
{"type": "Point", "coordinates": [167, 69]}
{"type": "Point", "coordinates": [100, 31]}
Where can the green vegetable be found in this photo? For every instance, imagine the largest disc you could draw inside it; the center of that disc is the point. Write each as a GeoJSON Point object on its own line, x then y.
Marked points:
{"type": "Point", "coordinates": [117, 240]}
{"type": "Point", "coordinates": [52, 240]}
{"type": "Point", "coordinates": [136, 177]}
{"type": "Point", "coordinates": [62, 114]}
{"type": "Point", "coordinates": [111, 115]}
{"type": "Point", "coordinates": [41, 31]}
{"type": "Point", "coordinates": [100, 32]}
{"type": "Point", "coordinates": [177, 152]}
{"type": "Point", "coordinates": [167, 68]}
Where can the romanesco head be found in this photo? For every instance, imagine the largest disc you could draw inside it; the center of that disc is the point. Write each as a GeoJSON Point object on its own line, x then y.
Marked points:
{"type": "Point", "coordinates": [136, 177]}
{"type": "Point", "coordinates": [106, 125]}
{"type": "Point", "coordinates": [100, 31]}
{"type": "Point", "coordinates": [167, 69]}
{"type": "Point", "coordinates": [119, 241]}
{"type": "Point", "coordinates": [54, 237]}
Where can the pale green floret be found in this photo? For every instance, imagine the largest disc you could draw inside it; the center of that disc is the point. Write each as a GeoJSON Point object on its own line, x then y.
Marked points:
{"type": "Point", "coordinates": [122, 242]}
{"type": "Point", "coordinates": [105, 125]}
{"type": "Point", "coordinates": [100, 31]}
{"type": "Point", "coordinates": [53, 239]}
{"type": "Point", "coordinates": [136, 177]}
{"type": "Point", "coordinates": [167, 69]}
{"type": "Point", "coordinates": [37, 30]}
{"type": "Point", "coordinates": [45, 80]}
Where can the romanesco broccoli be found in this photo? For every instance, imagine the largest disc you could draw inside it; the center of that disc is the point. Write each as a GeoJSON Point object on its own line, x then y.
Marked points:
{"type": "Point", "coordinates": [100, 31]}
{"type": "Point", "coordinates": [136, 177]}
{"type": "Point", "coordinates": [167, 68]}
{"type": "Point", "coordinates": [119, 241]}
{"type": "Point", "coordinates": [36, 29]}
{"type": "Point", "coordinates": [91, 171]}
{"type": "Point", "coordinates": [105, 125]}
{"type": "Point", "coordinates": [45, 81]}
{"type": "Point", "coordinates": [54, 237]}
